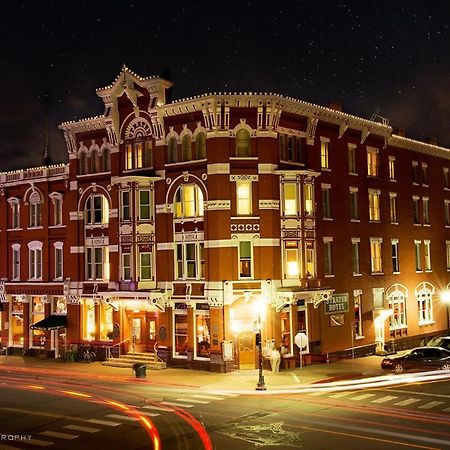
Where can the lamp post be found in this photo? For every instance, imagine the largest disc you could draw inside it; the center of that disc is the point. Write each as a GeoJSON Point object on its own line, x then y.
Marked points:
{"type": "Point", "coordinates": [260, 386]}
{"type": "Point", "coordinates": [445, 298]}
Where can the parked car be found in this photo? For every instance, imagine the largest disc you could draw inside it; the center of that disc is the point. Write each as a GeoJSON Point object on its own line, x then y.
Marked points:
{"type": "Point", "coordinates": [442, 341]}
{"type": "Point", "coordinates": [420, 358]}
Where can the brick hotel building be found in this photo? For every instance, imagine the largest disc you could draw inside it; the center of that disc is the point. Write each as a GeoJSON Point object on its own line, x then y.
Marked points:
{"type": "Point", "coordinates": [188, 226]}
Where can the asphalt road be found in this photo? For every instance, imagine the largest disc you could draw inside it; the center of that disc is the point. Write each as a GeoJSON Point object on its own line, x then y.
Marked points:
{"type": "Point", "coordinates": [57, 413]}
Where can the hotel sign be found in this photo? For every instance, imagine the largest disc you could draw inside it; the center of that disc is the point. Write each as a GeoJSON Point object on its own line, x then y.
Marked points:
{"type": "Point", "coordinates": [338, 303]}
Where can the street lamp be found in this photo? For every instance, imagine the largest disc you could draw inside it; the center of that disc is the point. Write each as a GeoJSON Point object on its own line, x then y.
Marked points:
{"type": "Point", "coordinates": [445, 298]}
{"type": "Point", "coordinates": [260, 386]}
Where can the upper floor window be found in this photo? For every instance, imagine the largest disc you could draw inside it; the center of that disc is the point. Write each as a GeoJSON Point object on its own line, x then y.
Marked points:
{"type": "Point", "coordinates": [82, 157]}
{"type": "Point", "coordinates": [16, 261]}
{"type": "Point", "coordinates": [418, 256]}
{"type": "Point", "coordinates": [355, 256]}
{"type": "Point", "coordinates": [97, 263]}
{"type": "Point", "coordinates": [97, 210]}
{"type": "Point", "coordinates": [327, 256]}
{"type": "Point", "coordinates": [290, 201]}
{"type": "Point", "coordinates": [376, 261]}
{"type": "Point", "coordinates": [326, 201]}
{"type": "Point", "coordinates": [129, 157]}
{"type": "Point", "coordinates": [446, 178]}
{"type": "Point", "coordinates": [397, 303]}
{"type": "Point", "coordinates": [392, 168]}
{"type": "Point", "coordinates": [15, 212]}
{"type": "Point", "coordinates": [426, 210]}
{"type": "Point", "coordinates": [172, 150]}
{"type": "Point", "coordinates": [416, 216]}
{"type": "Point", "coordinates": [424, 295]}
{"type": "Point", "coordinates": [291, 148]}
{"type": "Point", "coordinates": [35, 210]}
{"type": "Point", "coordinates": [291, 259]}
{"type": "Point", "coordinates": [372, 162]}
{"type": "Point", "coordinates": [138, 153]}
{"type": "Point", "coordinates": [145, 266]}
{"type": "Point", "coordinates": [393, 207]}
{"type": "Point", "coordinates": [374, 205]}
{"type": "Point", "coordinates": [447, 254]}
{"type": "Point", "coordinates": [415, 172]}
{"type": "Point", "coordinates": [188, 201]}
{"type": "Point", "coordinates": [352, 158]}
{"type": "Point", "coordinates": [94, 161]}
{"type": "Point", "coordinates": [354, 203]}
{"type": "Point", "coordinates": [324, 150]}
{"type": "Point", "coordinates": [245, 259]}
{"type": "Point", "coordinates": [57, 208]}
{"type": "Point", "coordinates": [126, 266]}
{"type": "Point", "coordinates": [186, 147]}
{"type": "Point", "coordinates": [106, 159]}
{"type": "Point", "coordinates": [427, 254]}
{"type": "Point", "coordinates": [243, 143]}
{"type": "Point", "coordinates": [394, 254]}
{"type": "Point", "coordinates": [58, 260]}
{"type": "Point", "coordinates": [200, 146]}
{"type": "Point", "coordinates": [35, 260]}
{"type": "Point", "coordinates": [358, 314]}
{"type": "Point", "coordinates": [125, 207]}
{"type": "Point", "coordinates": [447, 212]}
{"type": "Point", "coordinates": [145, 209]}
{"type": "Point", "coordinates": [425, 174]}
{"type": "Point", "coordinates": [243, 197]}
{"type": "Point", "coordinates": [190, 262]}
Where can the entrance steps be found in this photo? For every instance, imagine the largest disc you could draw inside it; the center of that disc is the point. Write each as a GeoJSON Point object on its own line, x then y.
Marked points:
{"type": "Point", "coordinates": [150, 359]}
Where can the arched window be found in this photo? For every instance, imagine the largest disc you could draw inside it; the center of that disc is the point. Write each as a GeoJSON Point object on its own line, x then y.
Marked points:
{"type": "Point", "coordinates": [200, 146]}
{"type": "Point", "coordinates": [397, 295]}
{"type": "Point", "coordinates": [186, 148]}
{"type": "Point", "coordinates": [94, 161]}
{"type": "Point", "coordinates": [172, 150]}
{"type": "Point", "coordinates": [106, 160]}
{"type": "Point", "coordinates": [188, 202]}
{"type": "Point", "coordinates": [83, 163]}
{"type": "Point", "coordinates": [424, 295]}
{"type": "Point", "coordinates": [35, 210]}
{"type": "Point", "coordinates": [96, 210]}
{"type": "Point", "coordinates": [242, 143]}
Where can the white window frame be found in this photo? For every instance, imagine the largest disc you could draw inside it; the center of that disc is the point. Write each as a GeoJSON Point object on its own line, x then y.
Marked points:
{"type": "Point", "coordinates": [59, 260]}
{"type": "Point", "coordinates": [150, 255]}
{"type": "Point", "coordinates": [91, 209]}
{"type": "Point", "coordinates": [352, 169]}
{"type": "Point", "coordinates": [355, 256]}
{"type": "Point", "coordinates": [15, 261]}
{"type": "Point", "coordinates": [395, 256]}
{"type": "Point", "coordinates": [326, 202]}
{"type": "Point", "coordinates": [446, 178]}
{"type": "Point", "coordinates": [291, 247]}
{"type": "Point", "coordinates": [393, 207]}
{"type": "Point", "coordinates": [243, 197]}
{"type": "Point", "coordinates": [240, 258]}
{"type": "Point", "coordinates": [426, 210]}
{"type": "Point", "coordinates": [392, 168]}
{"type": "Point", "coordinates": [126, 266]}
{"type": "Point", "coordinates": [374, 205]}
{"type": "Point", "coordinates": [181, 261]}
{"type": "Point", "coordinates": [427, 254]}
{"type": "Point", "coordinates": [425, 174]}
{"type": "Point", "coordinates": [397, 299]}
{"type": "Point", "coordinates": [415, 173]}
{"type": "Point", "coordinates": [357, 305]}
{"type": "Point", "coordinates": [324, 153]}
{"type": "Point", "coordinates": [416, 209]}
{"type": "Point", "coordinates": [93, 263]}
{"type": "Point", "coordinates": [424, 295]}
{"type": "Point", "coordinates": [418, 255]}
{"type": "Point", "coordinates": [373, 162]}
{"type": "Point", "coordinates": [290, 205]}
{"type": "Point", "coordinates": [35, 260]}
{"type": "Point", "coordinates": [125, 207]}
{"type": "Point", "coordinates": [376, 255]}
{"type": "Point", "coordinates": [180, 202]}
{"type": "Point", "coordinates": [35, 210]}
{"type": "Point", "coordinates": [354, 213]}
{"type": "Point", "coordinates": [447, 253]}
{"type": "Point", "coordinates": [145, 206]}
{"type": "Point", "coordinates": [15, 212]}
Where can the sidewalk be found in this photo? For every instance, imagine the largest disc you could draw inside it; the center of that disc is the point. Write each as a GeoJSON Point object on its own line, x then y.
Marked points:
{"type": "Point", "coordinates": [238, 380]}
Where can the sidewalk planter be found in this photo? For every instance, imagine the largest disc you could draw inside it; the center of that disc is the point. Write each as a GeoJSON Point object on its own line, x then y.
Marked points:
{"type": "Point", "coordinates": [140, 370]}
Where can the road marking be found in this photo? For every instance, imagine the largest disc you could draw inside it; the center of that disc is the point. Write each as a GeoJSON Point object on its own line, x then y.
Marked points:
{"type": "Point", "coordinates": [105, 422]}
{"type": "Point", "coordinates": [37, 442]}
{"type": "Point", "coordinates": [58, 435]}
{"type": "Point", "coordinates": [341, 394]}
{"type": "Point", "coordinates": [385, 399]}
{"type": "Point", "coordinates": [156, 408]}
{"type": "Point", "coordinates": [317, 393]}
{"type": "Point", "coordinates": [430, 405]}
{"type": "Point", "coordinates": [191, 400]}
{"type": "Point", "coordinates": [362, 397]}
{"type": "Point", "coordinates": [182, 405]}
{"type": "Point", "coordinates": [122, 417]}
{"type": "Point", "coordinates": [80, 428]}
{"type": "Point", "coordinates": [208, 397]}
{"type": "Point", "coordinates": [408, 401]}
{"type": "Point", "coordinates": [225, 394]}
{"type": "Point", "coordinates": [419, 393]}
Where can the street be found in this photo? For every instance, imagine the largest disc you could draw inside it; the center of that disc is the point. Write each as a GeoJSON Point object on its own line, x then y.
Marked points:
{"type": "Point", "coordinates": [58, 412]}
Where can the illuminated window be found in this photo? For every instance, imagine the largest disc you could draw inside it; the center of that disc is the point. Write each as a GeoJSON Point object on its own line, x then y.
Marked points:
{"type": "Point", "coordinates": [393, 207]}
{"type": "Point", "coordinates": [308, 195]}
{"type": "Point", "coordinates": [418, 256]}
{"type": "Point", "coordinates": [326, 201]}
{"type": "Point", "coordinates": [310, 251]}
{"type": "Point", "coordinates": [243, 143]}
{"type": "Point", "coordinates": [245, 259]}
{"type": "Point", "coordinates": [200, 146]}
{"type": "Point", "coordinates": [89, 320]}
{"type": "Point", "coordinates": [138, 155]}
{"type": "Point", "coordinates": [97, 210]}
{"type": "Point", "coordinates": [354, 203]}
{"type": "Point", "coordinates": [352, 159]}
{"type": "Point", "coordinates": [188, 202]}
{"type": "Point", "coordinates": [358, 314]}
{"type": "Point", "coordinates": [180, 333]}
{"type": "Point", "coordinates": [202, 331]}
{"type": "Point", "coordinates": [426, 210]}
{"type": "Point", "coordinates": [145, 210]}
{"type": "Point", "coordinates": [392, 168]}
{"type": "Point", "coordinates": [394, 255]}
{"type": "Point", "coordinates": [327, 256]}
{"type": "Point", "coordinates": [372, 162]}
{"type": "Point", "coordinates": [36, 315]}
{"type": "Point", "coordinates": [397, 302]}
{"type": "Point", "coordinates": [376, 261]}
{"type": "Point", "coordinates": [186, 147]}
{"type": "Point", "coordinates": [424, 298]}
{"type": "Point", "coordinates": [291, 259]}
{"type": "Point", "coordinates": [427, 255]}
{"type": "Point", "coordinates": [374, 205]}
{"type": "Point", "coordinates": [244, 197]}
{"type": "Point", "coordinates": [129, 157]}
{"type": "Point", "coordinates": [324, 163]}
{"type": "Point", "coordinates": [355, 256]}
{"type": "Point", "coordinates": [145, 272]}
{"type": "Point", "coordinates": [106, 322]}
{"type": "Point", "coordinates": [290, 206]}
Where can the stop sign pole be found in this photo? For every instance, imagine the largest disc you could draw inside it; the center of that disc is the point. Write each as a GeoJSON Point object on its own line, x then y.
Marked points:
{"type": "Point", "coordinates": [301, 340]}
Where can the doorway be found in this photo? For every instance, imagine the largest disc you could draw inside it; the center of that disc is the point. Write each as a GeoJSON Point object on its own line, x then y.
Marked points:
{"type": "Point", "coordinates": [247, 350]}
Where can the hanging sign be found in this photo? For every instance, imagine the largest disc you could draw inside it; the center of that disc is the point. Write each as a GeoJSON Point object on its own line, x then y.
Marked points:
{"type": "Point", "coordinates": [338, 303]}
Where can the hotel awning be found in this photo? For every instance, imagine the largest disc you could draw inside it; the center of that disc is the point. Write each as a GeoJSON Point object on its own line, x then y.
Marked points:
{"type": "Point", "coordinates": [50, 323]}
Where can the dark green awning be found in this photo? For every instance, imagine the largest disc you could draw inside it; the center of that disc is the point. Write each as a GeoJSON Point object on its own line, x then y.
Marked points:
{"type": "Point", "coordinates": [50, 323]}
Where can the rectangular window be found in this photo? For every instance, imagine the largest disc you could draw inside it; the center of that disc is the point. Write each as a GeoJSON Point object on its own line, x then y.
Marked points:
{"type": "Point", "coordinates": [35, 263]}
{"type": "Point", "coordinates": [355, 256]}
{"type": "Point", "coordinates": [427, 254]}
{"type": "Point", "coordinates": [125, 210]}
{"type": "Point", "coordinates": [190, 260]}
{"type": "Point", "coordinates": [393, 207]}
{"type": "Point", "coordinates": [426, 210]}
{"type": "Point", "coordinates": [392, 168]}
{"type": "Point", "coordinates": [352, 159]}
{"type": "Point", "coordinates": [308, 193]}
{"type": "Point", "coordinates": [447, 252]}
{"type": "Point", "coordinates": [327, 257]}
{"type": "Point", "coordinates": [418, 256]}
{"type": "Point", "coordinates": [358, 316]}
{"type": "Point", "coordinates": [374, 205]}
{"type": "Point", "coordinates": [15, 214]}
{"type": "Point", "coordinates": [58, 263]}
{"type": "Point", "coordinates": [291, 259]}
{"type": "Point", "coordinates": [57, 211]}
{"type": "Point", "coordinates": [394, 253]}
{"type": "Point", "coordinates": [354, 204]}
{"type": "Point", "coordinates": [447, 212]}
{"type": "Point", "coordinates": [290, 202]}
{"type": "Point", "coordinates": [202, 331]}
{"type": "Point", "coordinates": [397, 305]}
{"type": "Point", "coordinates": [376, 261]}
{"type": "Point", "coordinates": [425, 307]}
{"type": "Point", "coordinates": [324, 163]}
{"type": "Point", "coordinates": [424, 174]}
{"type": "Point", "coordinates": [126, 266]}
{"type": "Point", "coordinates": [416, 216]}
{"type": "Point", "coordinates": [129, 157]}
{"type": "Point", "coordinates": [144, 205]}
{"type": "Point", "coordinates": [326, 201]}
{"type": "Point", "coordinates": [97, 210]}
{"type": "Point", "coordinates": [180, 334]}
{"type": "Point", "coordinates": [243, 198]}
{"type": "Point", "coordinates": [97, 260]}
{"type": "Point", "coordinates": [138, 154]}
{"type": "Point", "coordinates": [35, 215]}
{"type": "Point", "coordinates": [145, 271]}
{"type": "Point", "coordinates": [245, 259]}
{"type": "Point", "coordinates": [16, 263]}
{"type": "Point", "coordinates": [372, 162]}
{"type": "Point", "coordinates": [446, 178]}
{"type": "Point", "coordinates": [415, 172]}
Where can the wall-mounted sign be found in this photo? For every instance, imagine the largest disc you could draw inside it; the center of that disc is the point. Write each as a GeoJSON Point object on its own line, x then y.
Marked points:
{"type": "Point", "coordinates": [116, 330]}
{"type": "Point", "coordinates": [162, 332]}
{"type": "Point", "coordinates": [338, 303]}
{"type": "Point", "coordinates": [337, 320]}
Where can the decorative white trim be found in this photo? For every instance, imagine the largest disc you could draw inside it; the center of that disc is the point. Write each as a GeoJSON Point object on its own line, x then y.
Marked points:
{"type": "Point", "coordinates": [218, 169]}
{"type": "Point", "coordinates": [267, 169]}
{"type": "Point", "coordinates": [216, 205]}
{"type": "Point", "coordinates": [269, 204]}
{"type": "Point", "coordinates": [243, 177]}
{"type": "Point", "coordinates": [74, 249]}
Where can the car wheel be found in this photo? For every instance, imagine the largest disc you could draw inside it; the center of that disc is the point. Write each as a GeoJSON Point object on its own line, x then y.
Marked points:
{"type": "Point", "coordinates": [445, 366]}
{"type": "Point", "coordinates": [398, 368]}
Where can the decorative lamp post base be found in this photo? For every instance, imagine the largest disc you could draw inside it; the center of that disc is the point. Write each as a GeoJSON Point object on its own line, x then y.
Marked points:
{"type": "Point", "coordinates": [261, 385]}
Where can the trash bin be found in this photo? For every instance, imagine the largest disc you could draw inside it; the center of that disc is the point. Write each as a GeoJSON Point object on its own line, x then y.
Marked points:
{"type": "Point", "coordinates": [140, 370]}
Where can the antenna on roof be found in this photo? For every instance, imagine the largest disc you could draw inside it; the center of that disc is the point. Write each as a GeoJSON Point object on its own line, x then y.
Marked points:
{"type": "Point", "coordinates": [46, 160]}
{"type": "Point", "coordinates": [377, 118]}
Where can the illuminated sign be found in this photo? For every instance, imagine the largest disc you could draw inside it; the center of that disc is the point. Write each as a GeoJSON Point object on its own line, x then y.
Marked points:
{"type": "Point", "coordinates": [338, 303]}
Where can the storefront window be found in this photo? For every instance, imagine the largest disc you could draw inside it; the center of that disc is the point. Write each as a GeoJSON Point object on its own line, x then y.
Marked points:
{"type": "Point", "coordinates": [202, 327]}
{"type": "Point", "coordinates": [152, 329]}
{"type": "Point", "coordinates": [60, 305]}
{"type": "Point", "coordinates": [17, 322]}
{"type": "Point", "coordinates": [107, 323]}
{"type": "Point", "coordinates": [89, 320]}
{"type": "Point", "coordinates": [37, 314]}
{"type": "Point", "coordinates": [181, 334]}
{"type": "Point", "coordinates": [286, 335]}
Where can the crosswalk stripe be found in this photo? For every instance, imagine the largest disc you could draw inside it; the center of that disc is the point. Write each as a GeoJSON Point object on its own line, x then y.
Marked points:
{"type": "Point", "coordinates": [58, 435]}
{"type": "Point", "coordinates": [430, 405]}
{"type": "Point", "coordinates": [341, 394]}
{"type": "Point", "coordinates": [80, 428]}
{"type": "Point", "coordinates": [181, 405]}
{"type": "Point", "coordinates": [225, 394]}
{"type": "Point", "coordinates": [156, 408]}
{"type": "Point", "coordinates": [385, 399]}
{"type": "Point", "coordinates": [122, 417]}
{"type": "Point", "coordinates": [362, 397]}
{"type": "Point", "coordinates": [408, 401]}
{"type": "Point", "coordinates": [37, 442]}
{"type": "Point", "coordinates": [104, 422]}
{"type": "Point", "coordinates": [208, 397]}
{"type": "Point", "coordinates": [193, 400]}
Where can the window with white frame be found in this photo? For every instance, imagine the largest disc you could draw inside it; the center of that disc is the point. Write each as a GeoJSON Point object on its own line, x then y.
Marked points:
{"type": "Point", "coordinates": [416, 216]}
{"type": "Point", "coordinates": [145, 266]}
{"type": "Point", "coordinates": [245, 259]}
{"type": "Point", "coordinates": [190, 263]}
{"type": "Point", "coordinates": [394, 255]}
{"type": "Point", "coordinates": [97, 210]}
{"type": "Point", "coordinates": [447, 212]}
{"type": "Point", "coordinates": [37, 313]}
{"type": "Point", "coordinates": [145, 207]}
{"type": "Point", "coordinates": [376, 261]}
{"type": "Point", "coordinates": [290, 199]}
{"type": "Point", "coordinates": [180, 333]}
{"type": "Point", "coordinates": [446, 178]}
{"type": "Point", "coordinates": [372, 162]}
{"type": "Point", "coordinates": [35, 210]}
{"type": "Point", "coordinates": [374, 205]}
{"type": "Point", "coordinates": [243, 143]}
{"type": "Point", "coordinates": [35, 260]}
{"type": "Point", "coordinates": [355, 256]}
{"type": "Point", "coordinates": [427, 254]}
{"type": "Point", "coordinates": [352, 158]}
{"type": "Point", "coordinates": [57, 210]}
{"type": "Point", "coordinates": [358, 327]}
{"type": "Point", "coordinates": [418, 256]}
{"type": "Point", "coordinates": [393, 207]}
{"type": "Point", "coordinates": [15, 212]}
{"type": "Point", "coordinates": [125, 206]}
{"type": "Point", "coordinates": [324, 153]}
{"type": "Point", "coordinates": [326, 201]}
{"type": "Point", "coordinates": [202, 331]}
{"type": "Point", "coordinates": [426, 210]}
{"type": "Point", "coordinates": [188, 202]}
{"type": "Point", "coordinates": [243, 197]}
{"type": "Point", "coordinates": [16, 261]}
{"type": "Point", "coordinates": [291, 259]}
{"type": "Point", "coordinates": [447, 253]}
{"type": "Point", "coordinates": [424, 296]}
{"type": "Point", "coordinates": [129, 157]}
{"type": "Point", "coordinates": [391, 168]}
{"type": "Point", "coordinates": [308, 198]}
{"type": "Point", "coordinates": [397, 303]}
{"type": "Point", "coordinates": [327, 256]}
{"type": "Point", "coordinates": [425, 174]}
{"type": "Point", "coordinates": [310, 258]}
{"type": "Point", "coordinates": [415, 172]}
{"type": "Point", "coordinates": [126, 266]}
{"type": "Point", "coordinates": [138, 150]}
{"type": "Point", "coordinates": [354, 203]}
{"type": "Point", "coordinates": [97, 263]}
{"type": "Point", "coordinates": [58, 260]}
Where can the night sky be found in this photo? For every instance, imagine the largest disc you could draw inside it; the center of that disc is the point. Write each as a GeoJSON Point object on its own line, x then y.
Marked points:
{"type": "Point", "coordinates": [389, 56]}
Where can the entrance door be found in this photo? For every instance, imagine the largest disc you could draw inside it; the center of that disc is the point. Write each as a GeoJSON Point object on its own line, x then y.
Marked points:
{"type": "Point", "coordinates": [136, 329]}
{"type": "Point", "coordinates": [247, 350]}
